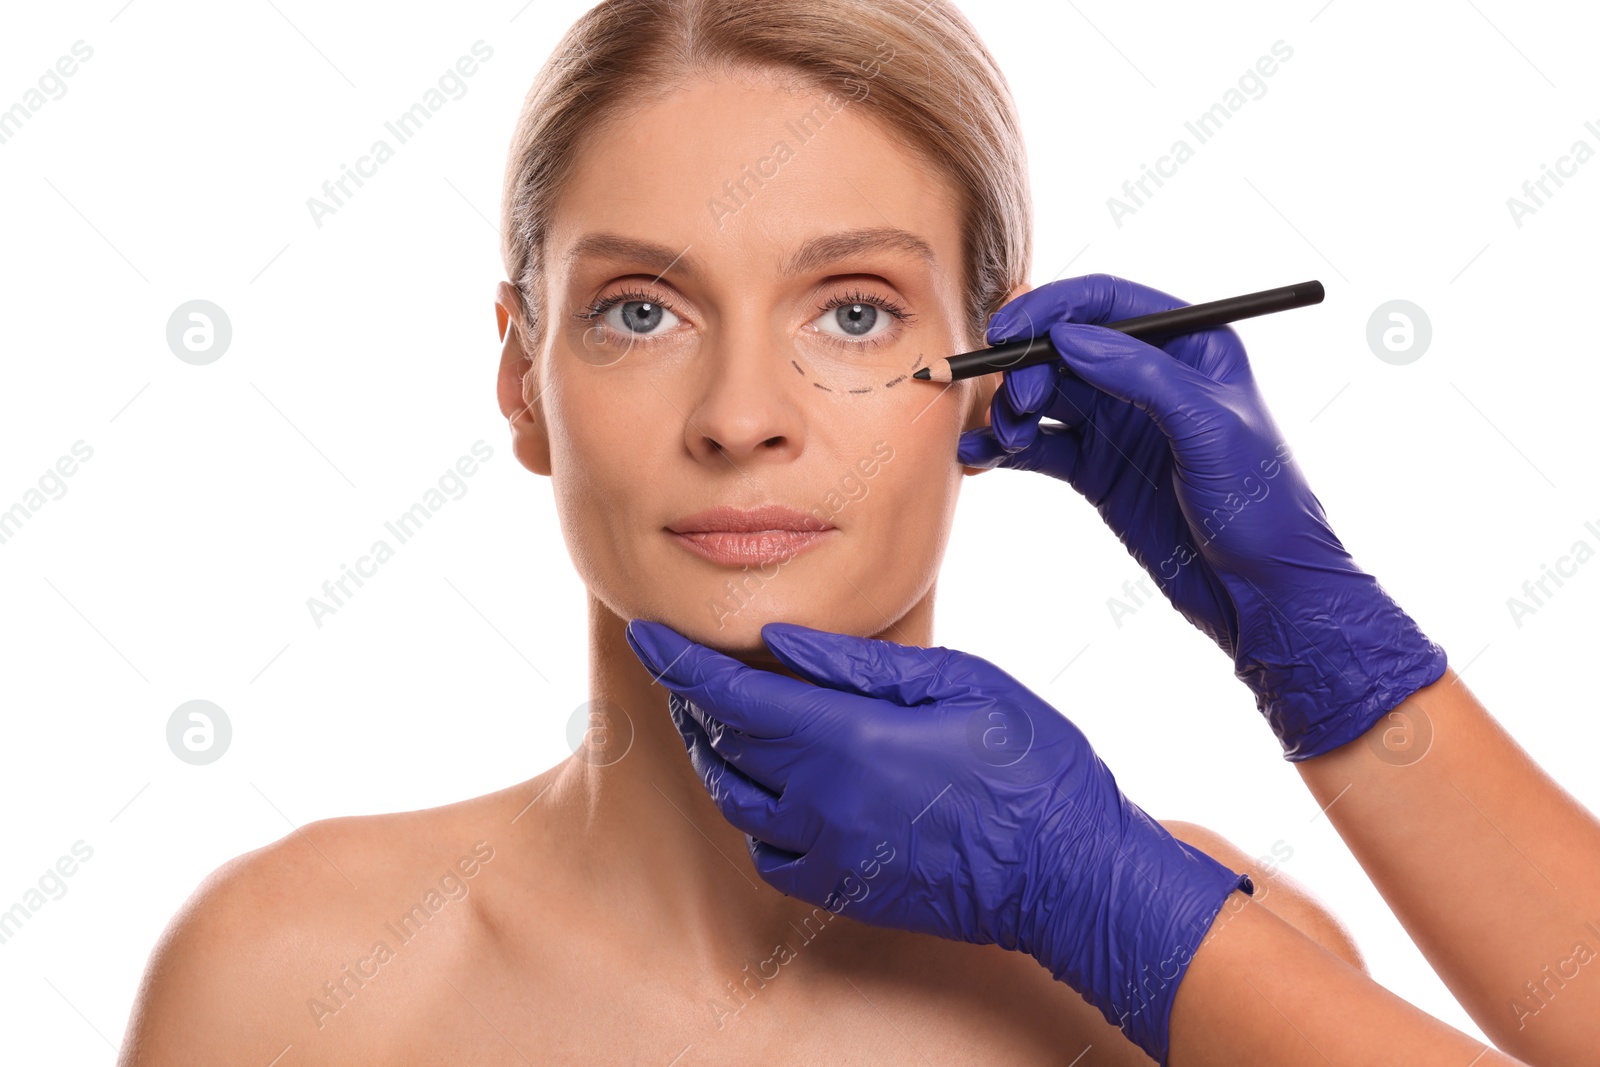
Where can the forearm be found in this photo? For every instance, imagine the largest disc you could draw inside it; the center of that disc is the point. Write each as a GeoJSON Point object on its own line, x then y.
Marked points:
{"type": "Point", "coordinates": [1260, 991]}
{"type": "Point", "coordinates": [1492, 868]}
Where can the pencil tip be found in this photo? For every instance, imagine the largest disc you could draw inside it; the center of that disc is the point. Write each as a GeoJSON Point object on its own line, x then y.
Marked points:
{"type": "Point", "coordinates": [922, 374]}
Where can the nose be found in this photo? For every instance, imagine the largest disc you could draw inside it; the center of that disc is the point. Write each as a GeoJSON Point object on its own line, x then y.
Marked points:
{"type": "Point", "coordinates": [744, 408]}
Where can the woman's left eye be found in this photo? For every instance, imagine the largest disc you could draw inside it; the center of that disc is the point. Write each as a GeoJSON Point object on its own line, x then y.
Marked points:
{"type": "Point", "coordinates": [856, 318]}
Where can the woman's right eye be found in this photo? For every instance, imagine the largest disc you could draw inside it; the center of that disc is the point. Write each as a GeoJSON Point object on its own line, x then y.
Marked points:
{"type": "Point", "coordinates": [636, 317]}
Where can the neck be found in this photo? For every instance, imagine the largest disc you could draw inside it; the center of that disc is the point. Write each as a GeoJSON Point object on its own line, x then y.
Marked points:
{"type": "Point", "coordinates": [647, 825]}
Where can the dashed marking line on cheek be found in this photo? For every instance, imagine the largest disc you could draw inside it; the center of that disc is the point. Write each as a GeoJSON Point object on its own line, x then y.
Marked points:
{"type": "Point", "coordinates": [887, 385]}
{"type": "Point", "coordinates": [892, 382]}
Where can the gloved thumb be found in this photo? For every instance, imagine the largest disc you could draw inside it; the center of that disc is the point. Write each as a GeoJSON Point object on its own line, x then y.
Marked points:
{"type": "Point", "coordinates": [884, 670]}
{"type": "Point", "coordinates": [1054, 451]}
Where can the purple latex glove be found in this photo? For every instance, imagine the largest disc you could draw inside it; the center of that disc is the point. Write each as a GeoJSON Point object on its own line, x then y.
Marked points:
{"type": "Point", "coordinates": [926, 789]}
{"type": "Point", "coordinates": [1176, 449]}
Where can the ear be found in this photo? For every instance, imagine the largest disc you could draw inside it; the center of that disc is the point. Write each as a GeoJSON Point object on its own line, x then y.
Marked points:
{"type": "Point", "coordinates": [984, 389]}
{"type": "Point", "coordinates": [517, 387]}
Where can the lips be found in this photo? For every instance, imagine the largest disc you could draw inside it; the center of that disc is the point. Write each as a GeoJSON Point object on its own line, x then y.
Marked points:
{"type": "Point", "coordinates": [740, 538]}
{"type": "Point", "coordinates": [753, 520]}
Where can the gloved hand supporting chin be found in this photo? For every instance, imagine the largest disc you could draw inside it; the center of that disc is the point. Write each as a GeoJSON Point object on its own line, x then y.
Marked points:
{"type": "Point", "coordinates": [981, 812]}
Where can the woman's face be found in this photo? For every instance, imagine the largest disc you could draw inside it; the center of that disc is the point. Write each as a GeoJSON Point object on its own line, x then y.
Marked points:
{"type": "Point", "coordinates": [741, 280]}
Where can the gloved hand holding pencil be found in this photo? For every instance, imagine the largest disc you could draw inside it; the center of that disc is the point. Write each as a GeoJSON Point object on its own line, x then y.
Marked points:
{"type": "Point", "coordinates": [1176, 448]}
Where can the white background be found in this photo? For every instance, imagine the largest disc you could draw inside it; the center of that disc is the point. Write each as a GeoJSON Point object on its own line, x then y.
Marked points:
{"type": "Point", "coordinates": [218, 498]}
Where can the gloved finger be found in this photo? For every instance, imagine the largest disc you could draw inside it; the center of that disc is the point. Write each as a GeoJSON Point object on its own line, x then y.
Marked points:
{"type": "Point", "coordinates": [980, 448]}
{"type": "Point", "coordinates": [1013, 432]}
{"type": "Point", "coordinates": [1068, 399]}
{"type": "Point", "coordinates": [701, 733]}
{"type": "Point", "coordinates": [747, 804]}
{"type": "Point", "coordinates": [1053, 451]}
{"type": "Point", "coordinates": [815, 878]}
{"type": "Point", "coordinates": [1072, 402]}
{"type": "Point", "coordinates": [1171, 392]}
{"type": "Point", "coordinates": [884, 670]}
{"type": "Point", "coordinates": [1025, 389]}
{"type": "Point", "coordinates": [762, 760]}
{"type": "Point", "coordinates": [1043, 389]}
{"type": "Point", "coordinates": [1092, 298]}
{"type": "Point", "coordinates": [1018, 402]}
{"type": "Point", "coordinates": [762, 703]}
{"type": "Point", "coordinates": [778, 867]}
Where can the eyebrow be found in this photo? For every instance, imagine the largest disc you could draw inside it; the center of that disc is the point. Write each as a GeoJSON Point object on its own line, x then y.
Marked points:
{"type": "Point", "coordinates": [817, 252]}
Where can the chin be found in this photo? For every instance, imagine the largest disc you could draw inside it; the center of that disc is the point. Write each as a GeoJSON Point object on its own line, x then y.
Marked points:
{"type": "Point", "coordinates": [705, 612]}
{"type": "Point", "coordinates": [725, 607]}
{"type": "Point", "coordinates": [737, 632]}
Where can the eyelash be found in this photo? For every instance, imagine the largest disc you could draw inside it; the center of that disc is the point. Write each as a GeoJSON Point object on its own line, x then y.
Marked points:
{"type": "Point", "coordinates": [902, 315]}
{"type": "Point", "coordinates": [605, 304]}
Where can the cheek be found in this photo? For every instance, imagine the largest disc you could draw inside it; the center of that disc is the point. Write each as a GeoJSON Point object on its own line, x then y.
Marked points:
{"type": "Point", "coordinates": [920, 419]}
{"type": "Point", "coordinates": [923, 479]}
{"type": "Point", "coordinates": [897, 492]}
{"type": "Point", "coordinates": [599, 473]}
{"type": "Point", "coordinates": [898, 520]}
{"type": "Point", "coordinates": [607, 425]}
{"type": "Point", "coordinates": [584, 442]}
{"type": "Point", "coordinates": [919, 480]}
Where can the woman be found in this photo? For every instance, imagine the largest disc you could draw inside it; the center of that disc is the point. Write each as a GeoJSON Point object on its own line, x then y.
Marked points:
{"type": "Point", "coordinates": [731, 233]}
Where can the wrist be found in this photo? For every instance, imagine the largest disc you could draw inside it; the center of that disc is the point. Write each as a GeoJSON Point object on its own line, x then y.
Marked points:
{"type": "Point", "coordinates": [1327, 661]}
{"type": "Point", "coordinates": [1122, 918]}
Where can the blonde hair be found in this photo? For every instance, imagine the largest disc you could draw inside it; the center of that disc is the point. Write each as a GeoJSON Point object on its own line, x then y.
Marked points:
{"type": "Point", "coordinates": [917, 66]}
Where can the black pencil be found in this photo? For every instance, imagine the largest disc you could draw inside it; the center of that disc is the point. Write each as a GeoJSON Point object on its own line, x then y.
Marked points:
{"type": "Point", "coordinates": [1026, 352]}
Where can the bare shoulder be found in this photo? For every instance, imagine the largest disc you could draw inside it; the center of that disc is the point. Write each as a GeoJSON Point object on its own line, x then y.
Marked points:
{"type": "Point", "coordinates": [293, 947]}
{"type": "Point", "coordinates": [1277, 891]}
